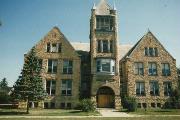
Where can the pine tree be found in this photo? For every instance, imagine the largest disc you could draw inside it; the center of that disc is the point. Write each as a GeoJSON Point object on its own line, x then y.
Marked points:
{"type": "Point", "coordinates": [4, 84]}
{"type": "Point", "coordinates": [29, 86]}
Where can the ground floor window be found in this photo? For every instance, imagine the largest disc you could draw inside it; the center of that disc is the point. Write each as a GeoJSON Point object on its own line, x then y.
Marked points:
{"type": "Point", "coordinates": [140, 89]}
{"type": "Point", "coordinates": [66, 87]}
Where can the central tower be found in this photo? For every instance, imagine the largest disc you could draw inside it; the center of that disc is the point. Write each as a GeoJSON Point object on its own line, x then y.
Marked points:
{"type": "Point", "coordinates": [105, 87]}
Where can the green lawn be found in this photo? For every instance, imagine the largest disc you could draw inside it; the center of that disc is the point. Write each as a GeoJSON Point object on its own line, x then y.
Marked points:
{"type": "Point", "coordinates": [47, 112]}
{"type": "Point", "coordinates": [134, 118]}
{"type": "Point", "coordinates": [157, 112]}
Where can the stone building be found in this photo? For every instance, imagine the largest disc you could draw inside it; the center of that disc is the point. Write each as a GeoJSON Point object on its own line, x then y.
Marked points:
{"type": "Point", "coordinates": [148, 72]}
{"type": "Point", "coordinates": [103, 70]}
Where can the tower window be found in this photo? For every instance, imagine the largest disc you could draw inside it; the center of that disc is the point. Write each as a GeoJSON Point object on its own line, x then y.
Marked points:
{"type": "Point", "coordinates": [104, 23]}
{"type": "Point", "coordinates": [104, 46]}
{"type": "Point", "coordinates": [105, 65]}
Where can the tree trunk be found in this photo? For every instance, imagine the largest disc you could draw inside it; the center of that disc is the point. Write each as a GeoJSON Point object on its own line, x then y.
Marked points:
{"type": "Point", "coordinates": [27, 108]}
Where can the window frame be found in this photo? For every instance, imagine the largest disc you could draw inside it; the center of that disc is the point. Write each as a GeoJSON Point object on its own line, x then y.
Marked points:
{"type": "Point", "coordinates": [50, 87]}
{"type": "Point", "coordinates": [138, 70]}
{"type": "Point", "coordinates": [167, 90]}
{"type": "Point", "coordinates": [141, 90]}
{"type": "Point", "coordinates": [165, 72]}
{"type": "Point", "coordinates": [152, 69]}
{"type": "Point", "coordinates": [153, 90]}
{"type": "Point", "coordinates": [69, 68]}
{"type": "Point", "coordinates": [65, 89]}
{"type": "Point", "coordinates": [53, 67]}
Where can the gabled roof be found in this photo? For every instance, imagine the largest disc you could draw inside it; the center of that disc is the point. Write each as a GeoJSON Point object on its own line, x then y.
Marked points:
{"type": "Point", "coordinates": [128, 55]}
{"type": "Point", "coordinates": [78, 46]}
{"type": "Point", "coordinates": [103, 8]}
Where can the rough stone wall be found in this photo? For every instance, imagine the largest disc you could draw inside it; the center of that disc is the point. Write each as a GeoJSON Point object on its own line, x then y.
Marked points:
{"type": "Point", "coordinates": [67, 53]}
{"type": "Point", "coordinates": [129, 78]}
{"type": "Point", "coordinates": [98, 81]}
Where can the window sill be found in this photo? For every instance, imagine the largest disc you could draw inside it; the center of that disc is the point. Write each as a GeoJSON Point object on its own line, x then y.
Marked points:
{"type": "Point", "coordinates": [51, 73]}
{"type": "Point", "coordinates": [66, 95]}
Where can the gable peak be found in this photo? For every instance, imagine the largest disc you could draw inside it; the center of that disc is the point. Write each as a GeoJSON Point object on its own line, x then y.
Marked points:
{"type": "Point", "coordinates": [103, 8]}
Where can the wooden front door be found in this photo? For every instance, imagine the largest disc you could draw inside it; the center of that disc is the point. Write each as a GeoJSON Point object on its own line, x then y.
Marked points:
{"type": "Point", "coordinates": [105, 101]}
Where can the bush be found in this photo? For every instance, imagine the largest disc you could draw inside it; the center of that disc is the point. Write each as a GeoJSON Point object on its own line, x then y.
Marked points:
{"type": "Point", "coordinates": [86, 105]}
{"type": "Point", "coordinates": [130, 103]}
{"type": "Point", "coordinates": [174, 101]}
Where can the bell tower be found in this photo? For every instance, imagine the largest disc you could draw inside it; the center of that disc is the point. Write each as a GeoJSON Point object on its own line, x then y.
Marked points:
{"type": "Point", "coordinates": [105, 87]}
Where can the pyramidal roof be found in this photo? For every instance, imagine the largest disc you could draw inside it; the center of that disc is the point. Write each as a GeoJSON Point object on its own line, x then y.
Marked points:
{"type": "Point", "coordinates": [103, 8]}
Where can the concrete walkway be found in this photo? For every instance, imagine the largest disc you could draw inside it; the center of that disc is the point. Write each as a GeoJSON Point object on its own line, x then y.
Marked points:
{"type": "Point", "coordinates": [107, 112]}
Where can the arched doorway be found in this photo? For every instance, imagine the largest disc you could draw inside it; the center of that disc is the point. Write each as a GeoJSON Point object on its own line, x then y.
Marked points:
{"type": "Point", "coordinates": [105, 97]}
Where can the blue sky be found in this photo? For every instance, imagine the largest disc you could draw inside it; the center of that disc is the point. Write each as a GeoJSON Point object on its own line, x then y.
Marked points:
{"type": "Point", "coordinates": [25, 22]}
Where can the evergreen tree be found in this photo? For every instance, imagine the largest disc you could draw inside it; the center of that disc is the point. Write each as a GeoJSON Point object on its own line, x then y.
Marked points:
{"type": "Point", "coordinates": [29, 86]}
{"type": "Point", "coordinates": [4, 84]}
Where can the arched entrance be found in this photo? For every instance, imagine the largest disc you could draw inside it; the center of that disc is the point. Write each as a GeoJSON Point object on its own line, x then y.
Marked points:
{"type": "Point", "coordinates": [105, 97]}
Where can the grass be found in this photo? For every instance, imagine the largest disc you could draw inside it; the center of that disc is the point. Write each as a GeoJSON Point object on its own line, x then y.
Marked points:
{"type": "Point", "coordinates": [157, 112]}
{"type": "Point", "coordinates": [134, 118]}
{"type": "Point", "coordinates": [47, 112]}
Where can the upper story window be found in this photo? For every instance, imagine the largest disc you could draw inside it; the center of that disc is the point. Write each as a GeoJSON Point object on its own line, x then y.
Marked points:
{"type": "Point", "coordinates": [152, 52]}
{"type": "Point", "coordinates": [105, 65]}
{"type": "Point", "coordinates": [138, 68]}
{"type": "Point", "coordinates": [52, 66]}
{"type": "Point", "coordinates": [167, 88]}
{"type": "Point", "coordinates": [104, 46]}
{"type": "Point", "coordinates": [154, 88]}
{"type": "Point", "coordinates": [66, 87]}
{"type": "Point", "coordinates": [104, 23]}
{"type": "Point", "coordinates": [140, 88]}
{"type": "Point", "coordinates": [53, 47]}
{"type": "Point", "coordinates": [152, 69]}
{"type": "Point", "coordinates": [51, 87]}
{"type": "Point", "coordinates": [67, 67]}
{"type": "Point", "coordinates": [165, 69]}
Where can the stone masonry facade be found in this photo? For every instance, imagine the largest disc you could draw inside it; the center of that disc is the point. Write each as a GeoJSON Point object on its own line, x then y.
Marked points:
{"type": "Point", "coordinates": [70, 73]}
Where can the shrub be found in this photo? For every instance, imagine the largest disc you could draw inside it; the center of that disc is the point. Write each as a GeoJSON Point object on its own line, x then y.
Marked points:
{"type": "Point", "coordinates": [130, 103]}
{"type": "Point", "coordinates": [86, 105]}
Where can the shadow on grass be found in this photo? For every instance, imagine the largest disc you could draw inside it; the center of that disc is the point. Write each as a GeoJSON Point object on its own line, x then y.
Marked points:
{"type": "Point", "coordinates": [75, 111]}
{"type": "Point", "coordinates": [13, 113]}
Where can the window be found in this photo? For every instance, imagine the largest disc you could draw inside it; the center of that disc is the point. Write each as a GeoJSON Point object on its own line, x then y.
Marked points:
{"type": "Point", "coordinates": [138, 68]}
{"type": "Point", "coordinates": [62, 106]}
{"type": "Point", "coordinates": [46, 105]}
{"type": "Point", "coordinates": [105, 65]}
{"type": "Point", "coordinates": [52, 105]}
{"type": "Point", "coordinates": [154, 88]}
{"type": "Point", "coordinates": [66, 87]}
{"type": "Point", "coordinates": [54, 47]}
{"type": "Point", "coordinates": [153, 105]}
{"type": "Point", "coordinates": [68, 105]}
{"type": "Point", "coordinates": [104, 46]}
{"type": "Point", "coordinates": [52, 66]}
{"type": "Point", "coordinates": [159, 105]}
{"type": "Point", "coordinates": [167, 88]}
{"type": "Point", "coordinates": [165, 69]}
{"type": "Point", "coordinates": [111, 46]}
{"type": "Point", "coordinates": [67, 67]}
{"type": "Point", "coordinates": [104, 23]}
{"type": "Point", "coordinates": [140, 89]}
{"type": "Point", "coordinates": [152, 52]}
{"type": "Point", "coordinates": [48, 47]}
{"type": "Point", "coordinates": [152, 69]}
{"type": "Point", "coordinates": [51, 87]}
